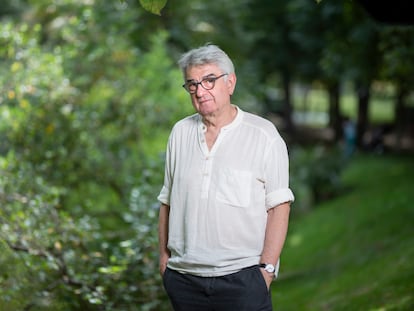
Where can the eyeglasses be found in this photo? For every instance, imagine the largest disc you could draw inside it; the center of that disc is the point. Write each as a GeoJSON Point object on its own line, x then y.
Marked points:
{"type": "Point", "coordinates": [207, 84]}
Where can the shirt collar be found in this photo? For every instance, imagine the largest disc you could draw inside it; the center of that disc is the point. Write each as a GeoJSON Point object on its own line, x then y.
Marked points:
{"type": "Point", "coordinates": [237, 120]}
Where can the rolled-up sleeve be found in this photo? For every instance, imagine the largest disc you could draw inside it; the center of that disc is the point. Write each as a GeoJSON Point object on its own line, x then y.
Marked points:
{"type": "Point", "coordinates": [164, 196]}
{"type": "Point", "coordinates": [278, 197]}
{"type": "Point", "coordinates": [277, 174]}
{"type": "Point", "coordinates": [165, 193]}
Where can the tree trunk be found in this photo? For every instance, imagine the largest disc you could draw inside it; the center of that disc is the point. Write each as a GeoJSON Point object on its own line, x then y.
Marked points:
{"type": "Point", "coordinates": [399, 116]}
{"type": "Point", "coordinates": [287, 104]}
{"type": "Point", "coordinates": [335, 120]}
{"type": "Point", "coordinates": [364, 95]}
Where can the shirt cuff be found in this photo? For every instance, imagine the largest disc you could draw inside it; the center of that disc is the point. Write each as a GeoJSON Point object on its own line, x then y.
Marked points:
{"type": "Point", "coordinates": [164, 196]}
{"type": "Point", "coordinates": [278, 197]}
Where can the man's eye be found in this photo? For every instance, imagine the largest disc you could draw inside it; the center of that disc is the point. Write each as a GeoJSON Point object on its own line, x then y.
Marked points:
{"type": "Point", "coordinates": [210, 80]}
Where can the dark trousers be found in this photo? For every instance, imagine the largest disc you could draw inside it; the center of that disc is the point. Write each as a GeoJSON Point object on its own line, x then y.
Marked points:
{"type": "Point", "coordinates": [245, 290]}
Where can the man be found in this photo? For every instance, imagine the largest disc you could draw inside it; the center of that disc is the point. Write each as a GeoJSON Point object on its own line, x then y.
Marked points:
{"type": "Point", "coordinates": [225, 201]}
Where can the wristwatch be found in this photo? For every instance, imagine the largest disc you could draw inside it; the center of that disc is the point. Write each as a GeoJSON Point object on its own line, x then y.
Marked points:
{"type": "Point", "coordinates": [268, 267]}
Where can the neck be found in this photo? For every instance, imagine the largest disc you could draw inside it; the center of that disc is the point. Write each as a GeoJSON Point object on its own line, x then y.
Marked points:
{"type": "Point", "coordinates": [220, 119]}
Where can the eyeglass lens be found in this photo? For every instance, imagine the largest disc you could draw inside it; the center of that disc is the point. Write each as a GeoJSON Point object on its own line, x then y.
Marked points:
{"type": "Point", "coordinates": [207, 83]}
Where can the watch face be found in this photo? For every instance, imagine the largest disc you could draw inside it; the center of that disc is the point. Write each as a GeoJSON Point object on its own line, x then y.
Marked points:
{"type": "Point", "coordinates": [270, 268]}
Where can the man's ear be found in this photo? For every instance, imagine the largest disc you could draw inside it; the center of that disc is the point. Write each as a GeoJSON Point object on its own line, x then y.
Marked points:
{"type": "Point", "coordinates": [231, 82]}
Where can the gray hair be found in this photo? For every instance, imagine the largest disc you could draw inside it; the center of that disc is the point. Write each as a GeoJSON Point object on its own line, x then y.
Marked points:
{"type": "Point", "coordinates": [207, 54]}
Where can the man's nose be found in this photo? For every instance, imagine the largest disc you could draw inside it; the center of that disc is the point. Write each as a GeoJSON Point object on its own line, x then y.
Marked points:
{"type": "Point", "coordinates": [200, 90]}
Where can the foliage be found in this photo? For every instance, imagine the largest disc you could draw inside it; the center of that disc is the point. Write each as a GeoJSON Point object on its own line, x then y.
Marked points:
{"type": "Point", "coordinates": [398, 43]}
{"type": "Point", "coordinates": [315, 175]}
{"type": "Point", "coordinates": [153, 6]}
{"type": "Point", "coordinates": [48, 241]}
{"type": "Point", "coordinates": [77, 189]}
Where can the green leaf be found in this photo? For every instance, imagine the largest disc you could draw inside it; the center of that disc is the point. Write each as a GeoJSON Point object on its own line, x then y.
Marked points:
{"type": "Point", "coordinates": [153, 6]}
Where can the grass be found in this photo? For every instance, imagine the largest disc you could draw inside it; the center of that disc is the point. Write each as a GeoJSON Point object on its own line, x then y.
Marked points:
{"type": "Point", "coordinates": [381, 106]}
{"type": "Point", "coordinates": [354, 252]}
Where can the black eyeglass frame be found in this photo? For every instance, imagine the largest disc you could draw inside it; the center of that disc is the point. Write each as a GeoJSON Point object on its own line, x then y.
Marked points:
{"type": "Point", "coordinates": [196, 84]}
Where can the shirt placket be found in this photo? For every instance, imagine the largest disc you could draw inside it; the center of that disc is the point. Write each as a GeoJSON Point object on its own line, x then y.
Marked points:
{"type": "Point", "coordinates": [208, 159]}
{"type": "Point", "coordinates": [207, 162]}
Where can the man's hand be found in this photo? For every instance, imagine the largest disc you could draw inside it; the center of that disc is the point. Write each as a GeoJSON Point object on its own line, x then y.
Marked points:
{"type": "Point", "coordinates": [268, 277]}
{"type": "Point", "coordinates": [163, 263]}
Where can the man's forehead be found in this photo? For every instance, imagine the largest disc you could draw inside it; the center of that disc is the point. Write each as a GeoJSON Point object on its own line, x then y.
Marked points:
{"type": "Point", "coordinates": [197, 72]}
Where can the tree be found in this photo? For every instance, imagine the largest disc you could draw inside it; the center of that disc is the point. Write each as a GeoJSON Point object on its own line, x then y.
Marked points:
{"type": "Point", "coordinates": [273, 52]}
{"type": "Point", "coordinates": [397, 46]}
{"type": "Point", "coordinates": [77, 182]}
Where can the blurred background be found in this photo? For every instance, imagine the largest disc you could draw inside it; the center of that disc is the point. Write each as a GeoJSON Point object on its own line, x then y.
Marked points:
{"type": "Point", "coordinates": [89, 91]}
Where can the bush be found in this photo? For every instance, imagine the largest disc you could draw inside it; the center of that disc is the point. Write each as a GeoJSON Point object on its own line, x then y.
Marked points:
{"type": "Point", "coordinates": [315, 174]}
{"type": "Point", "coordinates": [77, 185]}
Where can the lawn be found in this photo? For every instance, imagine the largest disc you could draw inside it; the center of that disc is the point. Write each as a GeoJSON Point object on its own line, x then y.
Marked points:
{"type": "Point", "coordinates": [315, 111]}
{"type": "Point", "coordinates": [355, 252]}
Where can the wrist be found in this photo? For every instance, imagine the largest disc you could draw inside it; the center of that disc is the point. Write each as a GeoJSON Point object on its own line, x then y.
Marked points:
{"type": "Point", "coordinates": [269, 268]}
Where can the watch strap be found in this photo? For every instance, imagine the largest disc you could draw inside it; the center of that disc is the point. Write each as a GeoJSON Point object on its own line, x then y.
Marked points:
{"type": "Point", "coordinates": [266, 266]}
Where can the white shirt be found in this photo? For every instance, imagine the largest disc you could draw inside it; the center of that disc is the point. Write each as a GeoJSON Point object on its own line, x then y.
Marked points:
{"type": "Point", "coordinates": [218, 198]}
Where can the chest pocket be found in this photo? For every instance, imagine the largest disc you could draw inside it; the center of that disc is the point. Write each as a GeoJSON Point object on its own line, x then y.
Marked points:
{"type": "Point", "coordinates": [234, 187]}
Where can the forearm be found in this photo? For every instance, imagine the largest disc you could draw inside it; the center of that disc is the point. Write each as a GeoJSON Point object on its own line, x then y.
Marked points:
{"type": "Point", "coordinates": [276, 230]}
{"type": "Point", "coordinates": [164, 253]}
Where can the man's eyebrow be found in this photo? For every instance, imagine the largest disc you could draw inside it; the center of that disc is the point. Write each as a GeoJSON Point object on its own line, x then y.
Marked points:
{"type": "Point", "coordinates": [210, 75]}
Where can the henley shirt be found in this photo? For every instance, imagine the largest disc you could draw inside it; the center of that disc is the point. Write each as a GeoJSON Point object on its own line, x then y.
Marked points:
{"type": "Point", "coordinates": [219, 198]}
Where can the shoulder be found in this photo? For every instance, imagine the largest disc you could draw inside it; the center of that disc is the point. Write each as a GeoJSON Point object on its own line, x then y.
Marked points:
{"type": "Point", "coordinates": [186, 123]}
{"type": "Point", "coordinates": [184, 127]}
{"type": "Point", "coordinates": [259, 123]}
